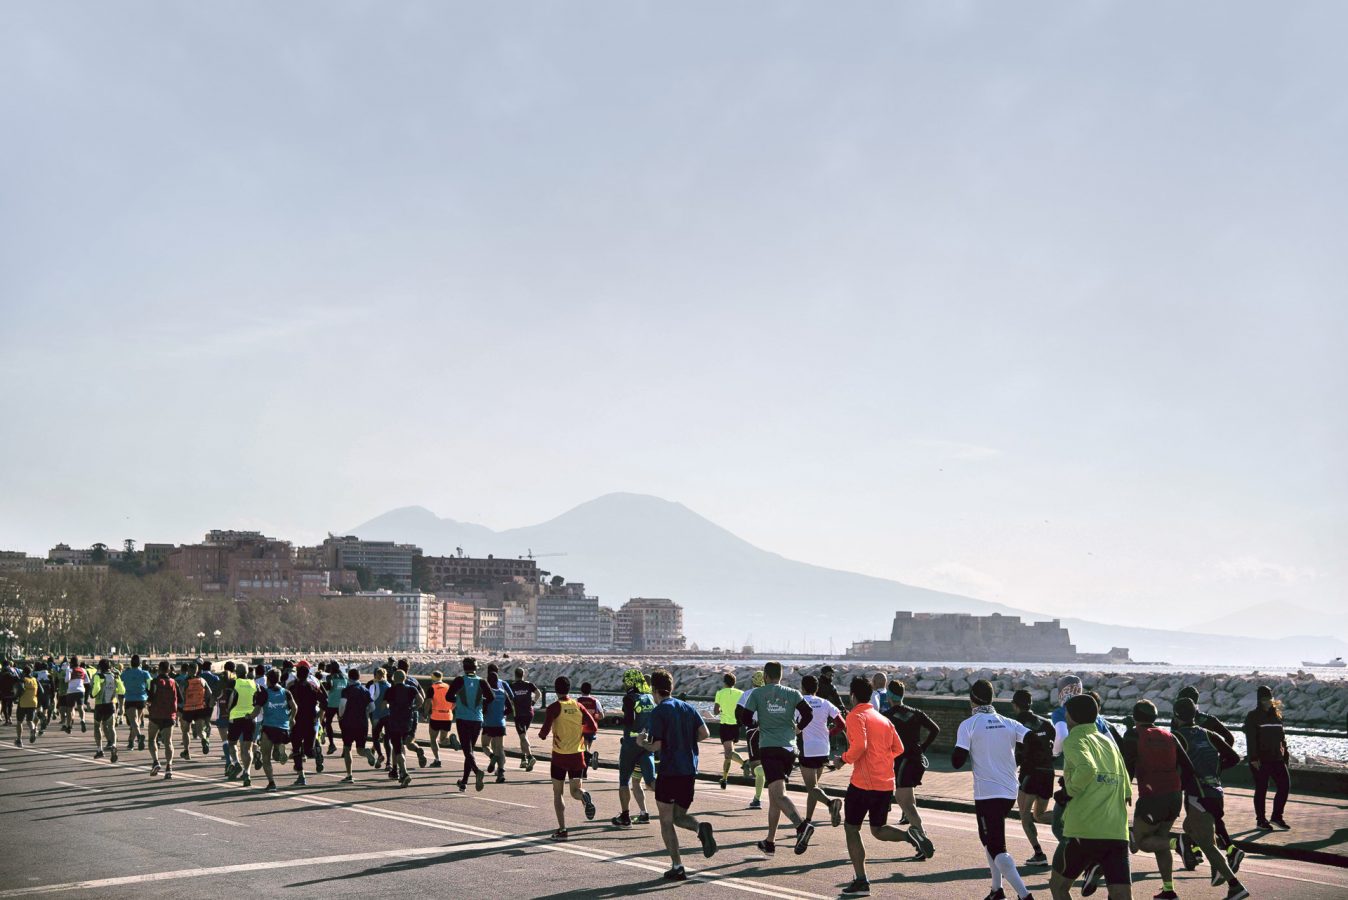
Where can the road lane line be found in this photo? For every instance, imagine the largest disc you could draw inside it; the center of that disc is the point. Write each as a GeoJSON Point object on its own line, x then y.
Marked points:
{"type": "Point", "coordinates": [81, 787]}
{"type": "Point", "coordinates": [200, 815]}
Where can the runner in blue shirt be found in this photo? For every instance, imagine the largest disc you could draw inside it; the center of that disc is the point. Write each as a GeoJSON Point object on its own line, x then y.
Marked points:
{"type": "Point", "coordinates": [136, 681]}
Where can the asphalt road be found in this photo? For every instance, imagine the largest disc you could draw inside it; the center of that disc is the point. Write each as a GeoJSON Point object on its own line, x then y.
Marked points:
{"type": "Point", "coordinates": [79, 827]}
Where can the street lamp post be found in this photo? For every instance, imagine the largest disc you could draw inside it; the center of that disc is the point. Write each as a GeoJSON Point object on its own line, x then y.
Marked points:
{"type": "Point", "coordinates": [201, 639]}
{"type": "Point", "coordinates": [217, 643]}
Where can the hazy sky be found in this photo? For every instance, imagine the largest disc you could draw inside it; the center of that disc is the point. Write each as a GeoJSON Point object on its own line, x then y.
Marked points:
{"type": "Point", "coordinates": [1043, 304]}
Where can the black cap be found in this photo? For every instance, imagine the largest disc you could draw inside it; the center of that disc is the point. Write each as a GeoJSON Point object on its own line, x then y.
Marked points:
{"type": "Point", "coordinates": [1189, 691]}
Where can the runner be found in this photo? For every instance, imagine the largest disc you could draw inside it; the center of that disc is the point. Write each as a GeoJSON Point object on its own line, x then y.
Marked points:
{"type": "Point", "coordinates": [1203, 720]}
{"type": "Point", "coordinates": [72, 696]}
{"type": "Point", "coordinates": [402, 703]}
{"type": "Point", "coordinates": [224, 689]}
{"type": "Point", "coordinates": [873, 750]}
{"type": "Point", "coordinates": [837, 736]}
{"type": "Point", "coordinates": [493, 722]}
{"type": "Point", "coordinates": [565, 719]}
{"type": "Point", "coordinates": [353, 714]}
{"type": "Point", "coordinates": [196, 709]}
{"type": "Point", "coordinates": [9, 685]}
{"type": "Point", "coordinates": [309, 700]}
{"type": "Point", "coordinates": [596, 710]}
{"type": "Point", "coordinates": [410, 742]}
{"type": "Point", "coordinates": [378, 716]}
{"type": "Point", "coordinates": [523, 696]}
{"type": "Point", "coordinates": [136, 685]}
{"type": "Point", "coordinates": [813, 744]}
{"type": "Point", "coordinates": [470, 699]}
{"type": "Point", "coordinates": [162, 709]}
{"type": "Point", "coordinates": [107, 687]}
{"type": "Point", "coordinates": [910, 723]}
{"type": "Point", "coordinates": [440, 712]}
{"type": "Point", "coordinates": [674, 730]}
{"type": "Point", "coordinates": [1069, 686]}
{"type": "Point", "coordinates": [1203, 808]}
{"type": "Point", "coordinates": [1153, 757]}
{"type": "Point", "coordinates": [334, 684]}
{"type": "Point", "coordinates": [46, 695]}
{"type": "Point", "coordinates": [727, 699]}
{"type": "Point", "coordinates": [636, 764]}
{"type": "Point", "coordinates": [240, 708]}
{"type": "Point", "coordinates": [278, 713]}
{"type": "Point", "coordinates": [26, 704]}
{"type": "Point", "coordinates": [1095, 793]}
{"type": "Point", "coordinates": [989, 740]}
{"type": "Point", "coordinates": [1034, 755]}
{"type": "Point", "coordinates": [1266, 750]}
{"type": "Point", "coordinates": [880, 699]}
{"type": "Point", "coordinates": [753, 767]}
{"type": "Point", "coordinates": [776, 707]}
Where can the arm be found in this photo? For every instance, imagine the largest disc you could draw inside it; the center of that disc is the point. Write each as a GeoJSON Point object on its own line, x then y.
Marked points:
{"type": "Point", "coordinates": [487, 692]}
{"type": "Point", "coordinates": [292, 707]}
{"type": "Point", "coordinates": [1129, 750]}
{"type": "Point", "coordinates": [1229, 756]}
{"type": "Point", "coordinates": [960, 755]}
{"type": "Point", "coordinates": [629, 711]}
{"type": "Point", "coordinates": [1077, 776]}
{"type": "Point", "coordinates": [1251, 739]}
{"type": "Point", "coordinates": [589, 718]}
{"type": "Point", "coordinates": [806, 715]}
{"type": "Point", "coordinates": [548, 719]}
{"type": "Point", "coordinates": [857, 739]}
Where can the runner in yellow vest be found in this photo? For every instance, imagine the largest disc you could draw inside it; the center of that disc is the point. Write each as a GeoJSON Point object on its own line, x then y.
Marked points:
{"type": "Point", "coordinates": [566, 721]}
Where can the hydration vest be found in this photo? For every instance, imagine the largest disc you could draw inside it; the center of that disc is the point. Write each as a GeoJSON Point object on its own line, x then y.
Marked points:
{"type": "Point", "coordinates": [194, 694]}
{"type": "Point", "coordinates": [642, 705]}
{"type": "Point", "coordinates": [1206, 760]}
{"type": "Point", "coordinates": [243, 705]}
{"type": "Point", "coordinates": [276, 709]}
{"type": "Point", "coordinates": [1157, 761]}
{"type": "Point", "coordinates": [442, 707]}
{"type": "Point", "coordinates": [494, 713]}
{"type": "Point", "coordinates": [468, 702]}
{"type": "Point", "coordinates": [164, 702]}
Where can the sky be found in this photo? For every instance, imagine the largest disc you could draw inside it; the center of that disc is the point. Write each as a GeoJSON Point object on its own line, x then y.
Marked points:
{"type": "Point", "coordinates": [1043, 305]}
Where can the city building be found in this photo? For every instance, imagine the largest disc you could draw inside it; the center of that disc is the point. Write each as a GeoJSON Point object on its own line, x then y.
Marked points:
{"type": "Point", "coordinates": [459, 632]}
{"type": "Point", "coordinates": [961, 637]}
{"type": "Point", "coordinates": [99, 554]}
{"type": "Point", "coordinates": [606, 626]}
{"type": "Point", "coordinates": [569, 620]}
{"type": "Point", "coordinates": [519, 626]}
{"type": "Point", "coordinates": [18, 562]}
{"type": "Point", "coordinates": [156, 555]}
{"type": "Point", "coordinates": [384, 560]}
{"type": "Point", "coordinates": [414, 613]}
{"type": "Point", "coordinates": [490, 627]}
{"type": "Point", "coordinates": [435, 625]}
{"type": "Point", "coordinates": [450, 571]}
{"type": "Point", "coordinates": [649, 625]}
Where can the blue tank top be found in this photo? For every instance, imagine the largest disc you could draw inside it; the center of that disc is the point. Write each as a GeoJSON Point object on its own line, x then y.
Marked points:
{"type": "Point", "coordinates": [276, 710]}
{"type": "Point", "coordinates": [338, 683]}
{"type": "Point", "coordinates": [494, 715]}
{"type": "Point", "coordinates": [468, 701]}
{"type": "Point", "coordinates": [137, 684]}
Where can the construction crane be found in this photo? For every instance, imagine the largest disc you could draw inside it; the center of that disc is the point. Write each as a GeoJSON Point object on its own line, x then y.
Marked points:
{"type": "Point", "coordinates": [533, 555]}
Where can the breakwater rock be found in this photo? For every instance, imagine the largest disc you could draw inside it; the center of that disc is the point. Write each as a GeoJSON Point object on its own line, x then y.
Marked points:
{"type": "Point", "coordinates": [1307, 700]}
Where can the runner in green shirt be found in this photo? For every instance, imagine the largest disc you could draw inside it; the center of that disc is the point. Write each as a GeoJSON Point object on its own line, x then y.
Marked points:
{"type": "Point", "coordinates": [727, 698]}
{"type": "Point", "coordinates": [1096, 790]}
{"type": "Point", "coordinates": [776, 707]}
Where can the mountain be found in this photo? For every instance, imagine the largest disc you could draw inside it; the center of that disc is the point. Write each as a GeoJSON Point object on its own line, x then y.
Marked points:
{"type": "Point", "coordinates": [633, 545]}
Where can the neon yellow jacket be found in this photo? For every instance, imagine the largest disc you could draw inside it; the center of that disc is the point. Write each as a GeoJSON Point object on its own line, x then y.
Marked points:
{"type": "Point", "coordinates": [1097, 783]}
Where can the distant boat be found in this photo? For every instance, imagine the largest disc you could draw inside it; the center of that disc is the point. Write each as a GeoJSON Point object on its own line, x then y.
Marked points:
{"type": "Point", "coordinates": [1335, 663]}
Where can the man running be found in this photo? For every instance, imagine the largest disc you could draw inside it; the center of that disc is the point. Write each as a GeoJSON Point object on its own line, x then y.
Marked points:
{"type": "Point", "coordinates": [196, 710]}
{"type": "Point", "coordinates": [333, 684]}
{"type": "Point", "coordinates": [837, 736]}
{"type": "Point", "coordinates": [636, 764]}
{"type": "Point", "coordinates": [46, 694]}
{"type": "Point", "coordinates": [470, 699]}
{"type": "Point", "coordinates": [911, 724]}
{"type": "Point", "coordinates": [240, 708]}
{"type": "Point", "coordinates": [524, 694]}
{"type": "Point", "coordinates": [1095, 795]}
{"type": "Point", "coordinates": [1203, 720]}
{"type": "Point", "coordinates": [72, 698]}
{"type": "Point", "coordinates": [107, 687]}
{"type": "Point", "coordinates": [402, 703]}
{"type": "Point", "coordinates": [1034, 755]}
{"type": "Point", "coordinates": [353, 715]}
{"type": "Point", "coordinates": [493, 722]}
{"type": "Point", "coordinates": [728, 729]}
{"type": "Point", "coordinates": [753, 767]}
{"type": "Point", "coordinates": [440, 711]}
{"type": "Point", "coordinates": [309, 701]}
{"type": "Point", "coordinates": [9, 685]}
{"type": "Point", "coordinates": [379, 715]}
{"type": "Point", "coordinates": [278, 715]}
{"type": "Point", "coordinates": [410, 741]}
{"type": "Point", "coordinates": [1153, 757]}
{"type": "Point", "coordinates": [675, 729]}
{"type": "Point", "coordinates": [1209, 755]}
{"type": "Point", "coordinates": [26, 704]}
{"type": "Point", "coordinates": [162, 709]}
{"type": "Point", "coordinates": [136, 691]}
{"type": "Point", "coordinates": [776, 707]}
{"type": "Point", "coordinates": [1070, 686]}
{"type": "Point", "coordinates": [224, 690]}
{"type": "Point", "coordinates": [565, 719]}
{"type": "Point", "coordinates": [596, 710]}
{"type": "Point", "coordinates": [880, 699]}
{"type": "Point", "coordinates": [813, 744]}
{"type": "Point", "coordinates": [873, 748]}
{"type": "Point", "coordinates": [1266, 750]}
{"type": "Point", "coordinates": [989, 741]}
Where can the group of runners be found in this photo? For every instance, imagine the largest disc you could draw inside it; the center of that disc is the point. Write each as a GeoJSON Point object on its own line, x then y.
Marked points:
{"type": "Point", "coordinates": [269, 715]}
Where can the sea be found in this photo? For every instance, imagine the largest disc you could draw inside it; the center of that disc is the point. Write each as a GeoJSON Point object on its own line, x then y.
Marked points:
{"type": "Point", "coordinates": [1323, 673]}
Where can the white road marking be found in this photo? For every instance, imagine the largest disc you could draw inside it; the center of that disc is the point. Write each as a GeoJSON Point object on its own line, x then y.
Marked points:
{"type": "Point", "coordinates": [200, 815]}
{"type": "Point", "coordinates": [81, 787]}
{"type": "Point", "coordinates": [505, 802]}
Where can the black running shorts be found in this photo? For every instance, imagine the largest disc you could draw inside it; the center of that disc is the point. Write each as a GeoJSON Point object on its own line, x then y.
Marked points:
{"type": "Point", "coordinates": [1037, 783]}
{"type": "Point", "coordinates": [729, 733]}
{"type": "Point", "coordinates": [1075, 855]}
{"type": "Point", "coordinates": [676, 789]}
{"type": "Point", "coordinates": [908, 771]}
{"type": "Point", "coordinates": [860, 804]}
{"type": "Point", "coordinates": [777, 764]}
{"type": "Point", "coordinates": [991, 815]}
{"type": "Point", "coordinates": [1158, 808]}
{"type": "Point", "coordinates": [241, 730]}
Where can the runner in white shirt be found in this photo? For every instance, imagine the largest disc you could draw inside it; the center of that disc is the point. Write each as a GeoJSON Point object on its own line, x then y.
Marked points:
{"type": "Point", "coordinates": [814, 751]}
{"type": "Point", "coordinates": [989, 740]}
{"type": "Point", "coordinates": [752, 766]}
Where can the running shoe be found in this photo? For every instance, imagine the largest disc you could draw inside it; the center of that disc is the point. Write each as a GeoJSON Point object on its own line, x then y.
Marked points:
{"type": "Point", "coordinates": [835, 809]}
{"type": "Point", "coordinates": [755, 803]}
{"type": "Point", "coordinates": [1234, 857]}
{"type": "Point", "coordinates": [205, 747]}
{"type": "Point", "coordinates": [1039, 859]}
{"type": "Point", "coordinates": [140, 744]}
{"type": "Point", "coordinates": [919, 839]}
{"type": "Point", "coordinates": [1217, 878]}
{"type": "Point", "coordinates": [1280, 823]}
{"type": "Point", "coordinates": [500, 778]}
{"type": "Point", "coordinates": [767, 848]}
{"type": "Point", "coordinates": [271, 787]}
{"type": "Point", "coordinates": [482, 779]}
{"type": "Point", "coordinates": [675, 874]}
{"type": "Point", "coordinates": [858, 888]}
{"type": "Point", "coordinates": [247, 780]}
{"type": "Point", "coordinates": [1165, 895]}
{"type": "Point", "coordinates": [1263, 825]}
{"type": "Point", "coordinates": [1237, 892]}
{"type": "Point", "coordinates": [436, 764]}
{"type": "Point", "coordinates": [405, 780]}
{"type": "Point", "coordinates": [112, 754]}
{"type": "Point", "coordinates": [347, 780]}
{"type": "Point", "coordinates": [130, 743]}
{"type": "Point", "coordinates": [803, 835]}
{"type": "Point", "coordinates": [32, 738]}
{"type": "Point", "coordinates": [1090, 880]}
{"type": "Point", "coordinates": [998, 894]}
{"type": "Point", "coordinates": [560, 834]}
{"type": "Point", "coordinates": [725, 782]}
{"type": "Point", "coordinates": [463, 786]}
{"type": "Point", "coordinates": [491, 766]}
{"type": "Point", "coordinates": [589, 805]}
{"type": "Point", "coordinates": [392, 774]}
{"type": "Point", "coordinates": [98, 754]}
{"type": "Point", "coordinates": [168, 773]}
{"type": "Point", "coordinates": [622, 821]}
{"type": "Point", "coordinates": [18, 742]}
{"type": "Point", "coordinates": [643, 818]}
{"type": "Point", "coordinates": [83, 727]}
{"type": "Point", "coordinates": [1188, 854]}
{"type": "Point", "coordinates": [421, 758]}
{"type": "Point", "coordinates": [299, 780]}
{"type": "Point", "coordinates": [185, 754]}
{"type": "Point", "coordinates": [154, 770]}
{"type": "Point", "coordinates": [708, 839]}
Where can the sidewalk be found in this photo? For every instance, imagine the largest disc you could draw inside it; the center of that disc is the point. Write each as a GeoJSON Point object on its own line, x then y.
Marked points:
{"type": "Point", "coordinates": [1320, 824]}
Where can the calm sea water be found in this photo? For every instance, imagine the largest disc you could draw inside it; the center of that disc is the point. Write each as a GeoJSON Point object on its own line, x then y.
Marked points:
{"type": "Point", "coordinates": [1321, 672]}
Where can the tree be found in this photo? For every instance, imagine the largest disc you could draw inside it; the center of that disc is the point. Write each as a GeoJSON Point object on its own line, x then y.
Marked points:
{"type": "Point", "coordinates": [421, 573]}
{"type": "Point", "coordinates": [390, 582]}
{"type": "Point", "coordinates": [362, 577]}
{"type": "Point", "coordinates": [558, 581]}
{"type": "Point", "coordinates": [99, 554]}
